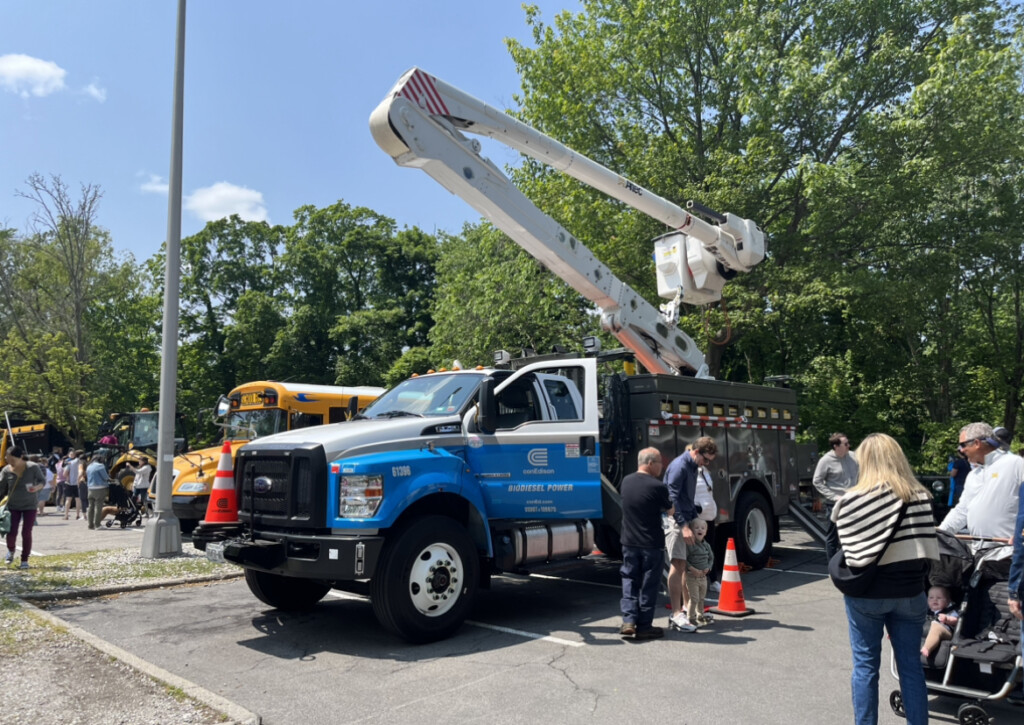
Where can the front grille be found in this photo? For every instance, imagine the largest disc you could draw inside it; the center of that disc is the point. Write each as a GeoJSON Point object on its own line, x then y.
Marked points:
{"type": "Point", "coordinates": [282, 486]}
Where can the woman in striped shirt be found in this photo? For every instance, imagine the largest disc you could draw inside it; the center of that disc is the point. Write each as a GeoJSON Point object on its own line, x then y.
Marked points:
{"type": "Point", "coordinates": [865, 517]}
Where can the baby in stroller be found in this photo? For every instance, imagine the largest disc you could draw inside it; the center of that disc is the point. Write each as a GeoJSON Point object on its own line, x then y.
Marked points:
{"type": "Point", "coordinates": [122, 507]}
{"type": "Point", "coordinates": [980, 659]}
{"type": "Point", "coordinates": [941, 619]}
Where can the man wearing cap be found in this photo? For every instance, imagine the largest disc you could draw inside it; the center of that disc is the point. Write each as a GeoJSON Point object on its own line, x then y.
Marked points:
{"type": "Point", "coordinates": [988, 506]}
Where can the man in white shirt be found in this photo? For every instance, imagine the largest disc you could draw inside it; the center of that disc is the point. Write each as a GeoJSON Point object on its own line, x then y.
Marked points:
{"type": "Point", "coordinates": [988, 506]}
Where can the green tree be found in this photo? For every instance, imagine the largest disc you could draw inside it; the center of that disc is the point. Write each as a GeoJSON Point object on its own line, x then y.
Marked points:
{"type": "Point", "coordinates": [846, 129]}
{"type": "Point", "coordinates": [492, 295]}
{"type": "Point", "coordinates": [359, 294]}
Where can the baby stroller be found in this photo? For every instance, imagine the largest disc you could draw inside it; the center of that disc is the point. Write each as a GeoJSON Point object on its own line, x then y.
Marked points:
{"type": "Point", "coordinates": [982, 661]}
{"type": "Point", "coordinates": [127, 510]}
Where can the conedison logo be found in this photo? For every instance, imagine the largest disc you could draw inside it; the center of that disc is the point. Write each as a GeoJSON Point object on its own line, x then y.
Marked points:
{"type": "Point", "coordinates": [538, 456]}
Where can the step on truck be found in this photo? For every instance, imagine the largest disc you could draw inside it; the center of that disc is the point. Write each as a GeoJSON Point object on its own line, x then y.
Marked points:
{"type": "Point", "coordinates": [454, 476]}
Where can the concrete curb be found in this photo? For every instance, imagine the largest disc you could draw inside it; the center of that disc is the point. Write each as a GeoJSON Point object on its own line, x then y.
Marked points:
{"type": "Point", "coordinates": [86, 592]}
{"type": "Point", "coordinates": [236, 713]}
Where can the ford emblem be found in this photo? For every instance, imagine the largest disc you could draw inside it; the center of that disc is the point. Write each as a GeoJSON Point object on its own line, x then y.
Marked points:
{"type": "Point", "coordinates": [262, 485]}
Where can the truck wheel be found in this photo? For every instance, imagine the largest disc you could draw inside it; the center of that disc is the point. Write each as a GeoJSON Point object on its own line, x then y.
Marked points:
{"type": "Point", "coordinates": [426, 580]}
{"type": "Point", "coordinates": [284, 592]}
{"type": "Point", "coordinates": [753, 530]}
{"type": "Point", "coordinates": [126, 477]}
{"type": "Point", "coordinates": [607, 540]}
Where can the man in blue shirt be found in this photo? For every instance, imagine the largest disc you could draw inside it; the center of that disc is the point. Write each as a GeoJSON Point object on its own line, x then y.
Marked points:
{"type": "Point", "coordinates": [97, 480]}
{"type": "Point", "coordinates": [681, 479]}
{"type": "Point", "coordinates": [1016, 584]}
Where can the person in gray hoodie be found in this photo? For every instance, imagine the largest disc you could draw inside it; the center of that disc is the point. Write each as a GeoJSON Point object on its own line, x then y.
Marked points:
{"type": "Point", "coordinates": [836, 472]}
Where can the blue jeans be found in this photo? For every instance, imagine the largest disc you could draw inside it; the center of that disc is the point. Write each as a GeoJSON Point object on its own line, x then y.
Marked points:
{"type": "Point", "coordinates": [904, 620]}
{"type": "Point", "coordinates": [641, 577]}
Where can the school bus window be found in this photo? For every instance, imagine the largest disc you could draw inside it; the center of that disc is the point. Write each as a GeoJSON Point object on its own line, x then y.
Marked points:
{"type": "Point", "coordinates": [666, 406]}
{"type": "Point", "coordinates": [717, 410]}
{"type": "Point", "coordinates": [748, 412]}
{"type": "Point", "coordinates": [684, 408]}
{"type": "Point", "coordinates": [775, 413]}
{"type": "Point", "coordinates": [734, 411]}
{"type": "Point", "coordinates": [787, 414]}
{"type": "Point", "coordinates": [762, 412]}
{"type": "Point", "coordinates": [702, 408]}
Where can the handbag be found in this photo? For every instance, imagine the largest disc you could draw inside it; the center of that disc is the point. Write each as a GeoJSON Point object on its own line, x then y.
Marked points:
{"type": "Point", "coordinates": [5, 517]}
{"type": "Point", "coordinates": [856, 581]}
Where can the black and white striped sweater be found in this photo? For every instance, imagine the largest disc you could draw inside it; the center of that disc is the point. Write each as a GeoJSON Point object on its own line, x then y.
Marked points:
{"type": "Point", "coordinates": [865, 520]}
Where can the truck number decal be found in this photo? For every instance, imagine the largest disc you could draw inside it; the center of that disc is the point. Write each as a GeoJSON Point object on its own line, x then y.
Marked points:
{"type": "Point", "coordinates": [399, 471]}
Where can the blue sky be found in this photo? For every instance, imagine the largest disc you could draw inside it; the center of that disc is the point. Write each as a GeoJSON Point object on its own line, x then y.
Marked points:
{"type": "Point", "coordinates": [277, 97]}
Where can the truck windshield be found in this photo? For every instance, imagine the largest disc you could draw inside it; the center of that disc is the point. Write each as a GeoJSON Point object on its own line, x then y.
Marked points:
{"type": "Point", "coordinates": [430, 395]}
{"type": "Point", "coordinates": [251, 424]}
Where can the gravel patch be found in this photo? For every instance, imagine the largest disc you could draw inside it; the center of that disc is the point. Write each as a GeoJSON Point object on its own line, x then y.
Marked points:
{"type": "Point", "coordinates": [52, 678]}
{"type": "Point", "coordinates": [50, 675]}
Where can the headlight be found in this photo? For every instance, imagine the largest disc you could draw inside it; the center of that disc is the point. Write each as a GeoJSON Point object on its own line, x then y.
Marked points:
{"type": "Point", "coordinates": [192, 488]}
{"type": "Point", "coordinates": [359, 496]}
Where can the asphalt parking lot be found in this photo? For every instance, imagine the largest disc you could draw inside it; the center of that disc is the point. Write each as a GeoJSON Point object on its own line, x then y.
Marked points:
{"type": "Point", "coordinates": [537, 649]}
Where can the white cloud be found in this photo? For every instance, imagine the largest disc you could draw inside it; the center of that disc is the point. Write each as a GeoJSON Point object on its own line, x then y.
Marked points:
{"type": "Point", "coordinates": [224, 199]}
{"type": "Point", "coordinates": [100, 94]}
{"type": "Point", "coordinates": [25, 75]}
{"type": "Point", "coordinates": [155, 185]}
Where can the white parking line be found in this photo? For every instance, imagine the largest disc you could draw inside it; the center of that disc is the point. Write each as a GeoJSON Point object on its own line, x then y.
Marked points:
{"type": "Point", "coordinates": [527, 635]}
{"type": "Point", "coordinates": [575, 581]}
{"type": "Point", "coordinates": [482, 625]}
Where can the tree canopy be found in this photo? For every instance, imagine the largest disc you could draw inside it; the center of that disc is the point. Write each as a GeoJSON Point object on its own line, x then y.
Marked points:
{"type": "Point", "coordinates": [878, 143]}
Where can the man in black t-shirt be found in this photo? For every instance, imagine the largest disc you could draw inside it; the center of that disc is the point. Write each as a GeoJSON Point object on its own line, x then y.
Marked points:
{"type": "Point", "coordinates": [644, 499]}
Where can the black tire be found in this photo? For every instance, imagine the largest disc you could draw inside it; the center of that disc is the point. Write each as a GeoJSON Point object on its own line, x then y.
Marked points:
{"type": "Point", "coordinates": [755, 530]}
{"type": "Point", "coordinates": [896, 703]}
{"type": "Point", "coordinates": [187, 526]}
{"type": "Point", "coordinates": [971, 714]}
{"type": "Point", "coordinates": [607, 540]}
{"type": "Point", "coordinates": [286, 593]}
{"type": "Point", "coordinates": [109, 523]}
{"type": "Point", "coordinates": [426, 580]}
{"type": "Point", "coordinates": [126, 477]}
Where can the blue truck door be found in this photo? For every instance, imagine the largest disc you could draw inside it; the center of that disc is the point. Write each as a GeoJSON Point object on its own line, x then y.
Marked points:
{"type": "Point", "coordinates": [542, 461]}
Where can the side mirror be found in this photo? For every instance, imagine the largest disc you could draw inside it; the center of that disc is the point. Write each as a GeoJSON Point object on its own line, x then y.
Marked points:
{"type": "Point", "coordinates": [179, 446]}
{"type": "Point", "coordinates": [223, 407]}
{"type": "Point", "coordinates": [487, 407]}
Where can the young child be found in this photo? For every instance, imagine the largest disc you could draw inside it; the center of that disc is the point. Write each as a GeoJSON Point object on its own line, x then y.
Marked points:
{"type": "Point", "coordinates": [943, 616]}
{"type": "Point", "coordinates": [699, 560]}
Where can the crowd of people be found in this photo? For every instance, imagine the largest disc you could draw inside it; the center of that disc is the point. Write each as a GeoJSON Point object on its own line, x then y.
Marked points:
{"type": "Point", "coordinates": [881, 525]}
{"type": "Point", "coordinates": [71, 479]}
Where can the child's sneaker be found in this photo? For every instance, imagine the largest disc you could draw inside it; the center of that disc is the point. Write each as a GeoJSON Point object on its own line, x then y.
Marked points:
{"type": "Point", "coordinates": [24, 565]}
{"type": "Point", "coordinates": [9, 557]}
{"type": "Point", "coordinates": [703, 620]}
{"type": "Point", "coordinates": [680, 623]}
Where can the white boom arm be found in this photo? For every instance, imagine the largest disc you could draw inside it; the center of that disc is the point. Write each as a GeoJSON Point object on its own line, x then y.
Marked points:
{"type": "Point", "coordinates": [420, 123]}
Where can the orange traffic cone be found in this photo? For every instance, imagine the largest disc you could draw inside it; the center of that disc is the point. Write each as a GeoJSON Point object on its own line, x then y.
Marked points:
{"type": "Point", "coordinates": [223, 506]}
{"type": "Point", "coordinates": [730, 599]}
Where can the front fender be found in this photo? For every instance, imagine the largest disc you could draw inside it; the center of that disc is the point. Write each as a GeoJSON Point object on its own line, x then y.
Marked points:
{"type": "Point", "coordinates": [409, 475]}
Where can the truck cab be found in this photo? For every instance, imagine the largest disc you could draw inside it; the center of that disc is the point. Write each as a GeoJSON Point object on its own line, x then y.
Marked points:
{"type": "Point", "coordinates": [491, 469]}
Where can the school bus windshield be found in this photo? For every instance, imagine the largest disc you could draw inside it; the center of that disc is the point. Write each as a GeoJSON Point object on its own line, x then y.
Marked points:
{"type": "Point", "coordinates": [251, 424]}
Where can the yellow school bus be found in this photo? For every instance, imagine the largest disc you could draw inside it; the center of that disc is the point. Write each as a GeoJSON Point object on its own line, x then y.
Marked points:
{"type": "Point", "coordinates": [251, 411]}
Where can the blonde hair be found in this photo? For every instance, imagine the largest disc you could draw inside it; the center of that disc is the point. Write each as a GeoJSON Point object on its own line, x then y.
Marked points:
{"type": "Point", "coordinates": [883, 465]}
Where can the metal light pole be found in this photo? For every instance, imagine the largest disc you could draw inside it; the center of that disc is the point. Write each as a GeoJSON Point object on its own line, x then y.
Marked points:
{"type": "Point", "coordinates": [163, 536]}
